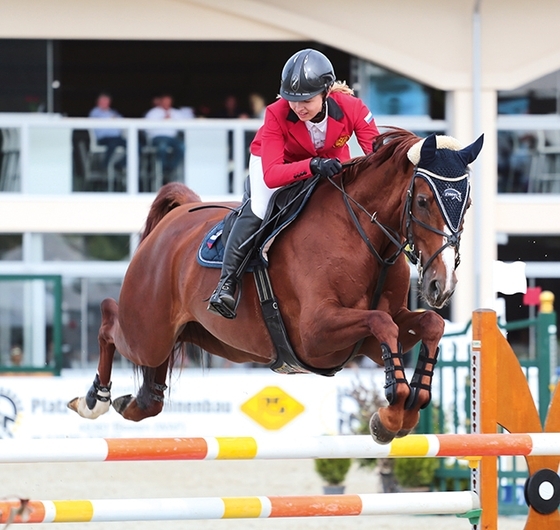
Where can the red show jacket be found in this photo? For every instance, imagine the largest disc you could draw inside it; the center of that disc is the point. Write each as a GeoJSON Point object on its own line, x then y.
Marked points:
{"type": "Point", "coordinates": [285, 146]}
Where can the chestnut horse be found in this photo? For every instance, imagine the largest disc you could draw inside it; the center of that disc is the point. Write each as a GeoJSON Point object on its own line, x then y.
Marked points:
{"type": "Point", "coordinates": [405, 200]}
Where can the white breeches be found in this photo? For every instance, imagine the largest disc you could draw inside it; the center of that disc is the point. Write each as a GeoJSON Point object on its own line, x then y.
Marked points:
{"type": "Point", "coordinates": [260, 192]}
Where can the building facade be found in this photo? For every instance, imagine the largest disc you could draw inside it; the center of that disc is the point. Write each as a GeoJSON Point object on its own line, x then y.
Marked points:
{"type": "Point", "coordinates": [463, 68]}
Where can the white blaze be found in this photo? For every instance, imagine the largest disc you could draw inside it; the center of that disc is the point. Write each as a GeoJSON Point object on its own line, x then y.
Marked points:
{"type": "Point", "coordinates": [448, 257]}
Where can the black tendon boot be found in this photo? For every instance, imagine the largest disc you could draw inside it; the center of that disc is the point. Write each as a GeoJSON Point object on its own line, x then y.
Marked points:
{"type": "Point", "coordinates": [223, 300]}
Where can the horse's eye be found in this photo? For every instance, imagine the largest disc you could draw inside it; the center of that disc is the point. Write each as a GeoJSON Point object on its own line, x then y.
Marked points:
{"type": "Point", "coordinates": [422, 202]}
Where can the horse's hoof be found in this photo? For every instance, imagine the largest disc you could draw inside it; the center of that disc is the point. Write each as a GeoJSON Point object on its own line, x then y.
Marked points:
{"type": "Point", "coordinates": [403, 432]}
{"type": "Point", "coordinates": [122, 402]}
{"type": "Point", "coordinates": [380, 434]}
{"type": "Point", "coordinates": [79, 405]}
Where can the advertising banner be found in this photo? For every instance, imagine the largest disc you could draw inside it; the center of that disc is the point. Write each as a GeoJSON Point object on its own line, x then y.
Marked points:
{"type": "Point", "coordinates": [213, 403]}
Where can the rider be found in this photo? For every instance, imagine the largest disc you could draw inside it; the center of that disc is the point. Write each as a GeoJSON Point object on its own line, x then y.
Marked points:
{"type": "Point", "coordinates": [305, 133]}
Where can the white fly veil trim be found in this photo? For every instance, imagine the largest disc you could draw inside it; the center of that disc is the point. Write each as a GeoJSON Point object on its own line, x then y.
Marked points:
{"type": "Point", "coordinates": [442, 142]}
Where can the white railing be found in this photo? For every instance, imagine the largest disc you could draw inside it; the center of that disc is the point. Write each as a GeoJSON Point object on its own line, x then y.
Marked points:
{"type": "Point", "coordinates": [214, 149]}
{"type": "Point", "coordinates": [40, 157]}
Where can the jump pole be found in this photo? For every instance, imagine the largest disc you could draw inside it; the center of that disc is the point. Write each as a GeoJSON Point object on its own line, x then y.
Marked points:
{"type": "Point", "coordinates": [112, 510]}
{"type": "Point", "coordinates": [276, 447]}
{"type": "Point", "coordinates": [501, 396]}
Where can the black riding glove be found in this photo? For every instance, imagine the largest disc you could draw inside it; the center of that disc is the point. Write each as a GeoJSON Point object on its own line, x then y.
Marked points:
{"type": "Point", "coordinates": [325, 167]}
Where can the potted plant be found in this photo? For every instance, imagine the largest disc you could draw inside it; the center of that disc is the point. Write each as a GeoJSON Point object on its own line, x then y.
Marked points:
{"type": "Point", "coordinates": [415, 474]}
{"type": "Point", "coordinates": [333, 471]}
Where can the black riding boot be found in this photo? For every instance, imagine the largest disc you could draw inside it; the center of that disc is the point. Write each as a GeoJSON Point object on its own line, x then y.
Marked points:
{"type": "Point", "coordinates": [223, 300]}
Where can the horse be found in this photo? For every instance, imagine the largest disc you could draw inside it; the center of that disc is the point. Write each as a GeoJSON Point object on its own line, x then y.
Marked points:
{"type": "Point", "coordinates": [340, 273]}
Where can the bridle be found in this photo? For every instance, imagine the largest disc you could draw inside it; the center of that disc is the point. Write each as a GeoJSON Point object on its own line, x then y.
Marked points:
{"type": "Point", "coordinates": [401, 247]}
{"type": "Point", "coordinates": [407, 246]}
{"type": "Point", "coordinates": [453, 237]}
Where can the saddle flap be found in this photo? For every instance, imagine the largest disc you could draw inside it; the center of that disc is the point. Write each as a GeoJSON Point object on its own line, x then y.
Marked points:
{"type": "Point", "coordinates": [284, 207]}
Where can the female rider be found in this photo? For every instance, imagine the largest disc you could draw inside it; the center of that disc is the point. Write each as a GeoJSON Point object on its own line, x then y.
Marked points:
{"type": "Point", "coordinates": [305, 133]}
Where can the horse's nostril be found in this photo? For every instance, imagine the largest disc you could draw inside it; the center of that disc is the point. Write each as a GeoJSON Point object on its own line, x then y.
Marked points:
{"type": "Point", "coordinates": [435, 288]}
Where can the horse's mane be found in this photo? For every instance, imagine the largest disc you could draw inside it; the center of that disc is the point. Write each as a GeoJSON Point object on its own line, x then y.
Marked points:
{"type": "Point", "coordinates": [392, 144]}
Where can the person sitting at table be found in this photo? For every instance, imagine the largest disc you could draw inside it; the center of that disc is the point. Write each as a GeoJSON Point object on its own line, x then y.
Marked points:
{"type": "Point", "coordinates": [169, 147]}
{"type": "Point", "coordinates": [110, 138]}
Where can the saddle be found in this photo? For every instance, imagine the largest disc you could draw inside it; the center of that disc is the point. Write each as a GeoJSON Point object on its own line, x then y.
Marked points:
{"type": "Point", "coordinates": [284, 207]}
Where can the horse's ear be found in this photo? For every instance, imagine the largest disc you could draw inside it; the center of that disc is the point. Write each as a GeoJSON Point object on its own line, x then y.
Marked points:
{"type": "Point", "coordinates": [428, 151]}
{"type": "Point", "coordinates": [469, 153]}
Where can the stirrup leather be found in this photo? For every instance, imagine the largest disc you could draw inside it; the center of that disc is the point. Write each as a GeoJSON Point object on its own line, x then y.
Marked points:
{"type": "Point", "coordinates": [424, 367]}
{"type": "Point", "coordinates": [391, 379]}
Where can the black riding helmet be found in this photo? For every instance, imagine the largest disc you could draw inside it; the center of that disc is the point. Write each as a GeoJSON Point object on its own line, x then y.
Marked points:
{"type": "Point", "coordinates": [306, 74]}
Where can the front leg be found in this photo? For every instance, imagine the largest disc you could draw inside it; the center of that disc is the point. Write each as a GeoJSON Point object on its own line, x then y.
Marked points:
{"type": "Point", "coordinates": [426, 327]}
{"type": "Point", "coordinates": [328, 340]}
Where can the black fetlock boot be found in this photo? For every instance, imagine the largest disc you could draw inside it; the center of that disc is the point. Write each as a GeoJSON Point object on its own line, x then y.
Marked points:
{"type": "Point", "coordinates": [223, 301]}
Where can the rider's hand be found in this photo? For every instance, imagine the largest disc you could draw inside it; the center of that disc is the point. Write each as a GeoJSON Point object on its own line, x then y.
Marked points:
{"type": "Point", "coordinates": [325, 167]}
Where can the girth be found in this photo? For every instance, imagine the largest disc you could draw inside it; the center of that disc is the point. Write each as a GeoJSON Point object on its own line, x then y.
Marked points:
{"type": "Point", "coordinates": [286, 359]}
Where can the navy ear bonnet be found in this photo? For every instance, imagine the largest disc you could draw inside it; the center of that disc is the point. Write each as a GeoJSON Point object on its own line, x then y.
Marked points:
{"type": "Point", "coordinates": [446, 171]}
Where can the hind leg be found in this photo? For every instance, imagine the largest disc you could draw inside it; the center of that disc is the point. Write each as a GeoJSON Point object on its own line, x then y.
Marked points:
{"type": "Point", "coordinates": [149, 401]}
{"type": "Point", "coordinates": [98, 398]}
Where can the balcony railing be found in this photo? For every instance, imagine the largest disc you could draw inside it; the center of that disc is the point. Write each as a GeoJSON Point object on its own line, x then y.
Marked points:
{"type": "Point", "coordinates": [49, 154]}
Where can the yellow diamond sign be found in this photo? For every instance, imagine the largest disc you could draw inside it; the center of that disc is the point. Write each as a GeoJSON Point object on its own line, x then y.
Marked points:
{"type": "Point", "coordinates": [272, 408]}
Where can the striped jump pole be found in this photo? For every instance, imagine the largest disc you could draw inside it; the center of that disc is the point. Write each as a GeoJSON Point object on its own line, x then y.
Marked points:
{"type": "Point", "coordinates": [462, 503]}
{"type": "Point", "coordinates": [276, 447]}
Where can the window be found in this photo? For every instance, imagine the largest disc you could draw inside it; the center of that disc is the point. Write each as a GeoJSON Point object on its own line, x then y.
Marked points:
{"type": "Point", "coordinates": [541, 96]}
{"type": "Point", "coordinates": [80, 247]}
{"type": "Point", "coordinates": [11, 247]}
{"type": "Point", "coordinates": [388, 93]}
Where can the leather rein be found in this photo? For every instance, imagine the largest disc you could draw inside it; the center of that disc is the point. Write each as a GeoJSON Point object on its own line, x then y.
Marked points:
{"type": "Point", "coordinates": [405, 246]}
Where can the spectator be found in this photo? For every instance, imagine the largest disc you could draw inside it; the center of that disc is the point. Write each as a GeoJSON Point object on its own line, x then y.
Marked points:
{"type": "Point", "coordinates": [169, 147]}
{"type": "Point", "coordinates": [230, 109]}
{"type": "Point", "coordinates": [110, 138]}
{"type": "Point", "coordinates": [257, 104]}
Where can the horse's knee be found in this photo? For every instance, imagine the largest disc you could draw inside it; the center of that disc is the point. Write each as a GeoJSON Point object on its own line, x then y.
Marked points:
{"type": "Point", "coordinates": [432, 324]}
{"type": "Point", "coordinates": [383, 328]}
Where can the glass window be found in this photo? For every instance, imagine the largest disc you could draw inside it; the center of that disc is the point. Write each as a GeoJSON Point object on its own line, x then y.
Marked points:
{"type": "Point", "coordinates": [10, 169]}
{"type": "Point", "coordinates": [541, 96]}
{"type": "Point", "coordinates": [27, 314]}
{"type": "Point", "coordinates": [11, 247]}
{"type": "Point", "coordinates": [388, 93]}
{"type": "Point", "coordinates": [529, 161]}
{"type": "Point", "coordinates": [86, 247]}
{"type": "Point", "coordinates": [99, 160]}
{"type": "Point", "coordinates": [23, 63]}
{"type": "Point", "coordinates": [81, 319]}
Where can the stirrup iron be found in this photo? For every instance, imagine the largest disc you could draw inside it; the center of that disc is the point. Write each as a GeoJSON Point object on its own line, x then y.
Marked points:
{"type": "Point", "coordinates": [218, 306]}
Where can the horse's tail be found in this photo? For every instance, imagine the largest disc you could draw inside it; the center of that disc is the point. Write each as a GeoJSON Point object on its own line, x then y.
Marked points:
{"type": "Point", "coordinates": [169, 197]}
